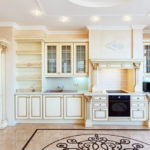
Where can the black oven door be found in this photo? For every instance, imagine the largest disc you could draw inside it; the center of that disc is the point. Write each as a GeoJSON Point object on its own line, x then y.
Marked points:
{"type": "Point", "coordinates": [119, 106]}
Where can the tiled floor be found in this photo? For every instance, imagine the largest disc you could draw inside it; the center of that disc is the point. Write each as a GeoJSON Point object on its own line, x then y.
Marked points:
{"type": "Point", "coordinates": [14, 138]}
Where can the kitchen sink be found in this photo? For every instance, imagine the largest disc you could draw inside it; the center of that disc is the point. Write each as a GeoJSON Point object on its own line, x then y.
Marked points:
{"type": "Point", "coordinates": [62, 91]}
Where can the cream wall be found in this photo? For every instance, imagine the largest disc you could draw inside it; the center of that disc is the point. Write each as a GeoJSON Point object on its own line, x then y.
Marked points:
{"type": "Point", "coordinates": [7, 33]}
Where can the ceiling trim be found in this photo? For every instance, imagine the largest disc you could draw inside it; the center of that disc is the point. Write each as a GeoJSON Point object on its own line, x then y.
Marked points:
{"type": "Point", "coordinates": [42, 28]}
{"type": "Point", "coordinates": [94, 27]}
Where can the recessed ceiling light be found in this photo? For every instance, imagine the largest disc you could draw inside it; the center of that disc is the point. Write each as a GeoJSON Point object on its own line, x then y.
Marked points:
{"type": "Point", "coordinates": [64, 19]}
{"type": "Point", "coordinates": [37, 12]}
{"type": "Point", "coordinates": [98, 3]}
{"type": "Point", "coordinates": [95, 18]}
{"type": "Point", "coordinates": [127, 18]}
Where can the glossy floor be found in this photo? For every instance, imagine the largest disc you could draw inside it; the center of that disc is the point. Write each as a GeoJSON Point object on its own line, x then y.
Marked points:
{"type": "Point", "coordinates": [14, 138]}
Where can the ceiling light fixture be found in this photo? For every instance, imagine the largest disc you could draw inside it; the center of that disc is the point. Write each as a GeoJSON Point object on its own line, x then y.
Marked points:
{"type": "Point", "coordinates": [127, 18]}
{"type": "Point", "coordinates": [95, 18]}
{"type": "Point", "coordinates": [64, 19]}
{"type": "Point", "coordinates": [37, 12]}
{"type": "Point", "coordinates": [98, 3]}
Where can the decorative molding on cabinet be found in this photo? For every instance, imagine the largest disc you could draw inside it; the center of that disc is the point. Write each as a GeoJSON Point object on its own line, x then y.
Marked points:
{"type": "Point", "coordinates": [97, 27]}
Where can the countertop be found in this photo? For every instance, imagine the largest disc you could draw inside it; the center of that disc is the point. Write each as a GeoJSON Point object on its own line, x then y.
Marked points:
{"type": "Point", "coordinates": [73, 92]}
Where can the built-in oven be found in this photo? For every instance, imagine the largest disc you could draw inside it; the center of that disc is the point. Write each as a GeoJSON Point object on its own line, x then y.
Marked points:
{"type": "Point", "coordinates": [119, 106]}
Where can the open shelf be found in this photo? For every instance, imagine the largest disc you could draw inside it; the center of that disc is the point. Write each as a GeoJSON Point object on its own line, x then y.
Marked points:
{"type": "Point", "coordinates": [29, 65]}
{"type": "Point", "coordinates": [28, 52]}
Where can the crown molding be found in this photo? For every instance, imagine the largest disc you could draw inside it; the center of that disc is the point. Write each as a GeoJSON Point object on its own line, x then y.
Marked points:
{"type": "Point", "coordinates": [40, 27]}
{"type": "Point", "coordinates": [146, 31]}
{"type": "Point", "coordinates": [94, 27]}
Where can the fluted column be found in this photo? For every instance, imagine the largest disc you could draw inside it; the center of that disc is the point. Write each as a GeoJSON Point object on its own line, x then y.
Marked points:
{"type": "Point", "coordinates": [3, 120]}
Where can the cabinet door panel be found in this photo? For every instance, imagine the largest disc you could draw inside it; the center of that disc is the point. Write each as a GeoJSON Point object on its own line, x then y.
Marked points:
{"type": "Point", "coordinates": [100, 114]}
{"type": "Point", "coordinates": [66, 59]}
{"type": "Point", "coordinates": [138, 115]}
{"type": "Point", "coordinates": [22, 107]}
{"type": "Point", "coordinates": [74, 107]}
{"type": "Point", "coordinates": [53, 107]}
{"type": "Point", "coordinates": [81, 59]}
{"type": "Point", "coordinates": [36, 107]}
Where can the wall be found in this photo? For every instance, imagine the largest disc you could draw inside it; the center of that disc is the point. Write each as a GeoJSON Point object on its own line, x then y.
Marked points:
{"type": "Point", "coordinates": [7, 33]}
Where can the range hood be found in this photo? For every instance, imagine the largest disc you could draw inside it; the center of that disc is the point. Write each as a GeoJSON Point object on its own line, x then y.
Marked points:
{"type": "Point", "coordinates": [116, 63]}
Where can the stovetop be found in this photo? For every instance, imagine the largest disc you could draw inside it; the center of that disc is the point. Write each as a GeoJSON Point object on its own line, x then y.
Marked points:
{"type": "Point", "coordinates": [115, 91]}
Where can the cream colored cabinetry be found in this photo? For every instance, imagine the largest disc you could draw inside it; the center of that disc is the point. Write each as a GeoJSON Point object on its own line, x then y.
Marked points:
{"type": "Point", "coordinates": [58, 59]}
{"type": "Point", "coordinates": [22, 107]}
{"type": "Point", "coordinates": [35, 104]}
{"type": "Point", "coordinates": [100, 108]}
{"type": "Point", "coordinates": [138, 108]}
{"type": "Point", "coordinates": [53, 107]}
{"type": "Point", "coordinates": [28, 107]}
{"type": "Point", "coordinates": [80, 59]}
{"type": "Point", "coordinates": [73, 107]}
{"type": "Point", "coordinates": [66, 59]}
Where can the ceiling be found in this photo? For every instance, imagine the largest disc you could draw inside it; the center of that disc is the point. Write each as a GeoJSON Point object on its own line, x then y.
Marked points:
{"type": "Point", "coordinates": [19, 11]}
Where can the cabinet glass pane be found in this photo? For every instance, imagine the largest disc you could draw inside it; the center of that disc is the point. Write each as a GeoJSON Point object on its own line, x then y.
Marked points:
{"type": "Point", "coordinates": [147, 56]}
{"type": "Point", "coordinates": [66, 59]}
{"type": "Point", "coordinates": [51, 60]}
{"type": "Point", "coordinates": [80, 59]}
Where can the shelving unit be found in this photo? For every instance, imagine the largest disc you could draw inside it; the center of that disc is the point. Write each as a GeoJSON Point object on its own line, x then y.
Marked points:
{"type": "Point", "coordinates": [28, 66]}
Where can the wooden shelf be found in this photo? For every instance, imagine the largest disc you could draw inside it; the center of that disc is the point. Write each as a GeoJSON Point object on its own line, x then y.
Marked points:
{"type": "Point", "coordinates": [28, 79]}
{"type": "Point", "coordinates": [29, 65]}
{"type": "Point", "coordinates": [28, 53]}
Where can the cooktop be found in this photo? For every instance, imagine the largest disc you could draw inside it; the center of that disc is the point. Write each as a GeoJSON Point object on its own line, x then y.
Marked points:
{"type": "Point", "coordinates": [115, 91]}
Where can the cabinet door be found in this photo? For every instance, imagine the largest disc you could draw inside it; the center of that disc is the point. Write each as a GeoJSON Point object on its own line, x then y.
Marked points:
{"type": "Point", "coordinates": [53, 107]}
{"type": "Point", "coordinates": [74, 107]}
{"type": "Point", "coordinates": [100, 114]}
{"type": "Point", "coordinates": [80, 58]}
{"type": "Point", "coordinates": [36, 107]}
{"type": "Point", "coordinates": [51, 59]}
{"type": "Point", "coordinates": [66, 59]}
{"type": "Point", "coordinates": [138, 115]}
{"type": "Point", "coordinates": [22, 107]}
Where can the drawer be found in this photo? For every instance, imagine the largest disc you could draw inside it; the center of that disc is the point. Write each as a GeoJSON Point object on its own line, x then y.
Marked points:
{"type": "Point", "coordinates": [137, 98]}
{"type": "Point", "coordinates": [138, 105]}
{"type": "Point", "coordinates": [99, 104]}
{"type": "Point", "coordinates": [97, 98]}
{"type": "Point", "coordinates": [100, 114]}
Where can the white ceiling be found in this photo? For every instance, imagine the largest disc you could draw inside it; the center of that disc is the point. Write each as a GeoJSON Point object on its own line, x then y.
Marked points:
{"type": "Point", "coordinates": [19, 11]}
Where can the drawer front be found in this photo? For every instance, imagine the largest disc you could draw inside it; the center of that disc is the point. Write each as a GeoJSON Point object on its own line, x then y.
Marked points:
{"type": "Point", "coordinates": [97, 98]}
{"type": "Point", "coordinates": [138, 105]}
{"type": "Point", "coordinates": [138, 115]}
{"type": "Point", "coordinates": [138, 98]}
{"type": "Point", "coordinates": [99, 104]}
{"type": "Point", "coordinates": [100, 114]}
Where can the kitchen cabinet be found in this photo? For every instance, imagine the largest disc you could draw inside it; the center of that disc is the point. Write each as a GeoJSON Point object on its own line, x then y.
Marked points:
{"type": "Point", "coordinates": [35, 107]}
{"type": "Point", "coordinates": [80, 59]}
{"type": "Point", "coordinates": [22, 107]}
{"type": "Point", "coordinates": [58, 59]}
{"type": "Point", "coordinates": [66, 59]}
{"type": "Point", "coordinates": [100, 108]}
{"type": "Point", "coordinates": [28, 107]}
{"type": "Point", "coordinates": [73, 107]}
{"type": "Point", "coordinates": [138, 108]}
{"type": "Point", "coordinates": [53, 107]}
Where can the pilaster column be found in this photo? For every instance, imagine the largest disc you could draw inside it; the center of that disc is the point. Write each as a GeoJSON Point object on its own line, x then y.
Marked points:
{"type": "Point", "coordinates": [88, 118]}
{"type": "Point", "coordinates": [3, 120]}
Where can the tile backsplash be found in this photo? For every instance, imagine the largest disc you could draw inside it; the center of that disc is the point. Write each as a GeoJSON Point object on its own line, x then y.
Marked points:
{"type": "Point", "coordinates": [76, 83]}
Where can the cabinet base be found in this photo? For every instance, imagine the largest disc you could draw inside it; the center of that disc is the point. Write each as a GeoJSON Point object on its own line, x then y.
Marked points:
{"type": "Point", "coordinates": [3, 124]}
{"type": "Point", "coordinates": [88, 123]}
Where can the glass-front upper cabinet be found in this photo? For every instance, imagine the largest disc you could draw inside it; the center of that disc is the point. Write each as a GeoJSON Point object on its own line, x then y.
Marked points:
{"type": "Point", "coordinates": [67, 59]}
{"type": "Point", "coordinates": [51, 59]}
{"type": "Point", "coordinates": [147, 58]}
{"type": "Point", "coordinates": [81, 59]}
